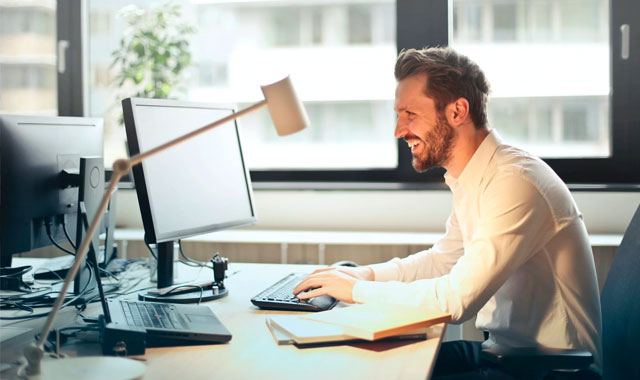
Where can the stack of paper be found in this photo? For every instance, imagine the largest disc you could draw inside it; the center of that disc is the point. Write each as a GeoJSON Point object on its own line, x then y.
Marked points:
{"type": "Point", "coordinates": [366, 321]}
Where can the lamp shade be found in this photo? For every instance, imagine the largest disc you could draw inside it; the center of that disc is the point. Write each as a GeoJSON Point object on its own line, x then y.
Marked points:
{"type": "Point", "coordinates": [287, 112]}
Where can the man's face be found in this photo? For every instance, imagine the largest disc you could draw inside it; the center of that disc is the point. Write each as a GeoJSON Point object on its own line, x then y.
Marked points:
{"type": "Point", "coordinates": [425, 130]}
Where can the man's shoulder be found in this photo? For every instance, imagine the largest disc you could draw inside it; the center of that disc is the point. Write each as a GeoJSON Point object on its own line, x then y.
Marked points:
{"type": "Point", "coordinates": [512, 161]}
{"type": "Point", "coordinates": [523, 174]}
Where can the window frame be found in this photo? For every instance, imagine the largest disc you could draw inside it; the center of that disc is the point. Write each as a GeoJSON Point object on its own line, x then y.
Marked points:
{"type": "Point", "coordinates": [72, 82]}
{"type": "Point", "coordinates": [421, 23]}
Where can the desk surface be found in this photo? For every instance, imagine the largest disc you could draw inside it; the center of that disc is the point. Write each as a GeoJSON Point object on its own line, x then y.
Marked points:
{"type": "Point", "coordinates": [253, 353]}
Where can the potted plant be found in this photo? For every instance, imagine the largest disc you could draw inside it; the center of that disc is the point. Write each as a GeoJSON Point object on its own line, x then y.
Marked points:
{"type": "Point", "coordinates": [153, 53]}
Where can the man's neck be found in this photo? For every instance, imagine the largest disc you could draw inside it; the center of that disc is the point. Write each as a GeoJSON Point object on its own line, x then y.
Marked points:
{"type": "Point", "coordinates": [467, 142]}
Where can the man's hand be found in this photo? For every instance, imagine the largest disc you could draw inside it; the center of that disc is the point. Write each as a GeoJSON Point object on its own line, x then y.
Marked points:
{"type": "Point", "coordinates": [337, 282]}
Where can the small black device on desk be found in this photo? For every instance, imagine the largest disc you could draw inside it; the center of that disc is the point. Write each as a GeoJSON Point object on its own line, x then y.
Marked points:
{"type": "Point", "coordinates": [280, 296]}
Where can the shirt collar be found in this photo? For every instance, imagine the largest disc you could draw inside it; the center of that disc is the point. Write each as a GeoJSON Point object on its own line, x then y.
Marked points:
{"type": "Point", "coordinates": [474, 170]}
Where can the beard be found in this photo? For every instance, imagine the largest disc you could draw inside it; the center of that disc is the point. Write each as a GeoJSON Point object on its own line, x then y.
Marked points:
{"type": "Point", "coordinates": [437, 146]}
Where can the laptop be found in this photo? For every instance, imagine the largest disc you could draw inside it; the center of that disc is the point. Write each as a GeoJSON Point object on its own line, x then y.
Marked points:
{"type": "Point", "coordinates": [165, 324]}
{"type": "Point", "coordinates": [168, 324]}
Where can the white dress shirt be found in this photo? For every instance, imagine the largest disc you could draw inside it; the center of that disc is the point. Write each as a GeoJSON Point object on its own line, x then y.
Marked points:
{"type": "Point", "coordinates": [515, 251]}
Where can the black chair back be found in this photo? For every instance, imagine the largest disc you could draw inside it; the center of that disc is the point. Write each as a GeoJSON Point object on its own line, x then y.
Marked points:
{"type": "Point", "coordinates": [621, 308]}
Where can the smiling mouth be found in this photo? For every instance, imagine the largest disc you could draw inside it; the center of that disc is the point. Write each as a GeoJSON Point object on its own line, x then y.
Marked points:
{"type": "Point", "coordinates": [412, 144]}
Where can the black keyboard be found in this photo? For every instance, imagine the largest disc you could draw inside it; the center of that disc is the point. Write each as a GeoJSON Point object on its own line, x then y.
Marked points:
{"type": "Point", "coordinates": [280, 296]}
{"type": "Point", "coordinates": [147, 314]}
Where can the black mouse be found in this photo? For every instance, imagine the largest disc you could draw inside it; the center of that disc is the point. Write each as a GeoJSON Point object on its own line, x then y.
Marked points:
{"type": "Point", "coordinates": [344, 263]}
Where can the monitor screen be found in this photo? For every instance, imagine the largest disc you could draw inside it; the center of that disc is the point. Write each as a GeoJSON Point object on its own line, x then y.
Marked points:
{"type": "Point", "coordinates": [199, 186]}
{"type": "Point", "coordinates": [34, 151]}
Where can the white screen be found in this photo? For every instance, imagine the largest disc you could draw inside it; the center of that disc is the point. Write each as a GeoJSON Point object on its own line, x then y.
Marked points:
{"type": "Point", "coordinates": [200, 185]}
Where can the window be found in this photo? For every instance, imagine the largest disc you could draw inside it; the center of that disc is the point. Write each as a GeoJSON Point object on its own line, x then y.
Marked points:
{"type": "Point", "coordinates": [37, 18]}
{"type": "Point", "coordinates": [530, 60]}
{"type": "Point", "coordinates": [467, 21]}
{"type": "Point", "coordinates": [504, 21]}
{"type": "Point", "coordinates": [340, 55]}
{"type": "Point", "coordinates": [28, 83]}
{"type": "Point", "coordinates": [360, 24]}
{"type": "Point", "coordinates": [560, 86]}
{"type": "Point", "coordinates": [283, 25]}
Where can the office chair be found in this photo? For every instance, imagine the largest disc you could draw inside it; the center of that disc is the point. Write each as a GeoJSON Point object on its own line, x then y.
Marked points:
{"type": "Point", "coordinates": [620, 301]}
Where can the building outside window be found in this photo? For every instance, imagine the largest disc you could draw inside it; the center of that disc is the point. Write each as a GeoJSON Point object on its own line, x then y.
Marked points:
{"type": "Point", "coordinates": [340, 55]}
{"type": "Point", "coordinates": [28, 83]}
{"type": "Point", "coordinates": [548, 64]}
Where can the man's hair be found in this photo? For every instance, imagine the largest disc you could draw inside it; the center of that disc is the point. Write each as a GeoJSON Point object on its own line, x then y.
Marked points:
{"type": "Point", "coordinates": [449, 76]}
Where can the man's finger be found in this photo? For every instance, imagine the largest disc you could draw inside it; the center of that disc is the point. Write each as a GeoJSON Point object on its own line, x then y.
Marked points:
{"type": "Point", "coordinates": [313, 281]}
{"type": "Point", "coordinates": [312, 293]}
{"type": "Point", "coordinates": [322, 270]}
{"type": "Point", "coordinates": [307, 283]}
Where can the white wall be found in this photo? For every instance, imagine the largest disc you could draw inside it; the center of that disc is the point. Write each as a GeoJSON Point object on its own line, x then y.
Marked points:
{"type": "Point", "coordinates": [414, 211]}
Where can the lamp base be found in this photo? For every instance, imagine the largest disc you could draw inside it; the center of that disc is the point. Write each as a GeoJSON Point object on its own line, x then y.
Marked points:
{"type": "Point", "coordinates": [193, 296]}
{"type": "Point", "coordinates": [92, 367]}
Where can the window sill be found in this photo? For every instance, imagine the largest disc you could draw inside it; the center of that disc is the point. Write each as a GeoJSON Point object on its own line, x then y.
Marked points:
{"type": "Point", "coordinates": [397, 186]}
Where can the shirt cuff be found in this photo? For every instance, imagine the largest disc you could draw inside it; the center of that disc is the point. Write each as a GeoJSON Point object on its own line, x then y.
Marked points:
{"type": "Point", "coordinates": [385, 271]}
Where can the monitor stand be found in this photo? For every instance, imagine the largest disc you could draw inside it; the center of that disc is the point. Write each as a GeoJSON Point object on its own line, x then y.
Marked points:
{"type": "Point", "coordinates": [90, 191]}
{"type": "Point", "coordinates": [179, 294]}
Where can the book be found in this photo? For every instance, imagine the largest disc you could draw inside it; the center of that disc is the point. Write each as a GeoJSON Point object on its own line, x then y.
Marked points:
{"type": "Point", "coordinates": [293, 329]}
{"type": "Point", "coordinates": [280, 336]}
{"type": "Point", "coordinates": [304, 331]}
{"type": "Point", "coordinates": [374, 321]}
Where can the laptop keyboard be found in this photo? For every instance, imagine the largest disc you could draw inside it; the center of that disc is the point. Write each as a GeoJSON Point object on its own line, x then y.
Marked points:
{"type": "Point", "coordinates": [147, 314]}
{"type": "Point", "coordinates": [280, 296]}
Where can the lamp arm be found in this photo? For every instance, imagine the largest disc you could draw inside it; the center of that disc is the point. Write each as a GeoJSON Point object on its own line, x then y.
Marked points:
{"type": "Point", "coordinates": [80, 255]}
{"type": "Point", "coordinates": [33, 353]}
{"type": "Point", "coordinates": [136, 159]}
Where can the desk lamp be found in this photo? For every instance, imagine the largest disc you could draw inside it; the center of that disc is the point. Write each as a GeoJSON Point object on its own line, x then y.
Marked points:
{"type": "Point", "coordinates": [288, 115]}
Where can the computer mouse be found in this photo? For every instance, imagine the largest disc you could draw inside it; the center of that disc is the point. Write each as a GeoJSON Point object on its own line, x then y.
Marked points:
{"type": "Point", "coordinates": [344, 263]}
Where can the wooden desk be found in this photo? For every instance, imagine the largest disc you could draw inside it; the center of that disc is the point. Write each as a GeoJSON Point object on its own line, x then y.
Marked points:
{"type": "Point", "coordinates": [253, 353]}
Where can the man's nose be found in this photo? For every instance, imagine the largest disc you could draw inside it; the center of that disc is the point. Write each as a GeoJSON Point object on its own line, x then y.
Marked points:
{"type": "Point", "coordinates": [401, 129]}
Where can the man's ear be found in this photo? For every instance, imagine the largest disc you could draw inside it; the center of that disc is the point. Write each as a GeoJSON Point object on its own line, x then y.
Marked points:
{"type": "Point", "coordinates": [457, 112]}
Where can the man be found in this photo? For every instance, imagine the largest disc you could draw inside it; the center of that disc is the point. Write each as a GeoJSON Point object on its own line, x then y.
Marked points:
{"type": "Point", "coordinates": [515, 251]}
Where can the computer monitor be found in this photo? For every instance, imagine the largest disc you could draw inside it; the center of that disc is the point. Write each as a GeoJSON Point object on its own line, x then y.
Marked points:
{"type": "Point", "coordinates": [200, 186]}
{"type": "Point", "coordinates": [35, 199]}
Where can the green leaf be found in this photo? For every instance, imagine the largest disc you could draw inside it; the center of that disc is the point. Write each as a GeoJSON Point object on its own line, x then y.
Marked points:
{"type": "Point", "coordinates": [154, 50]}
{"type": "Point", "coordinates": [139, 77]}
{"type": "Point", "coordinates": [138, 48]}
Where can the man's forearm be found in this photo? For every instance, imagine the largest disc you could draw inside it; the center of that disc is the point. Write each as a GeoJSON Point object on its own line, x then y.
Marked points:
{"type": "Point", "coordinates": [366, 273]}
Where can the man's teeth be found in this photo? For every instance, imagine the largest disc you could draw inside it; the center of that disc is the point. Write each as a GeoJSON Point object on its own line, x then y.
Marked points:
{"type": "Point", "coordinates": [413, 143]}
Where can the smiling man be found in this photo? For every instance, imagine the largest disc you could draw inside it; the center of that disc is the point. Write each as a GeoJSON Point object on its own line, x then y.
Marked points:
{"type": "Point", "coordinates": [516, 250]}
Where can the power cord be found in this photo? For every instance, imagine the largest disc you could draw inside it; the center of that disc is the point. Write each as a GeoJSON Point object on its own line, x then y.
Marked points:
{"type": "Point", "coordinates": [43, 269]}
{"type": "Point", "coordinates": [14, 272]}
{"type": "Point", "coordinates": [66, 233]}
{"type": "Point", "coordinates": [153, 254]}
{"type": "Point", "coordinates": [37, 303]}
{"type": "Point", "coordinates": [189, 261]}
{"type": "Point", "coordinates": [187, 286]}
{"type": "Point", "coordinates": [47, 224]}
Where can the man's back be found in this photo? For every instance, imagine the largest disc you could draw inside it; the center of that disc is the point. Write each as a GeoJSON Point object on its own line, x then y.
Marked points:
{"type": "Point", "coordinates": [552, 298]}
